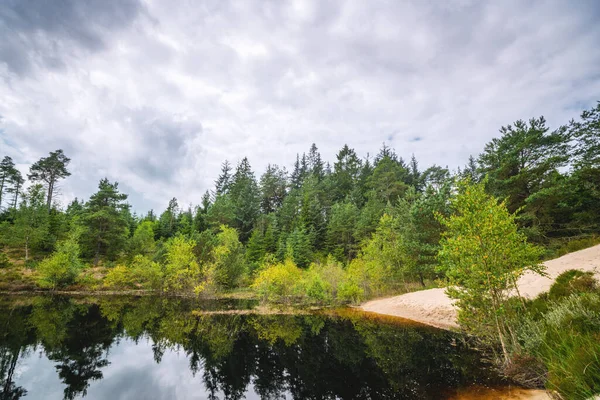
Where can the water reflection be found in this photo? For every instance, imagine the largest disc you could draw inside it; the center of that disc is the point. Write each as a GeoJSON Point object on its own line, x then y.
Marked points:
{"type": "Point", "coordinates": [149, 347]}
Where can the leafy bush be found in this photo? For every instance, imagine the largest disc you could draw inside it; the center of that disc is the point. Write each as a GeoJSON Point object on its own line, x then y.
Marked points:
{"type": "Point", "coordinates": [566, 339]}
{"type": "Point", "coordinates": [4, 261]}
{"type": "Point", "coordinates": [141, 273]}
{"type": "Point", "coordinates": [118, 277]}
{"type": "Point", "coordinates": [350, 292]}
{"type": "Point", "coordinates": [320, 282]}
{"type": "Point", "coordinates": [573, 281]}
{"type": "Point", "coordinates": [181, 270]}
{"type": "Point", "coordinates": [62, 267]}
{"type": "Point", "coordinates": [573, 245]}
{"type": "Point", "coordinates": [278, 282]}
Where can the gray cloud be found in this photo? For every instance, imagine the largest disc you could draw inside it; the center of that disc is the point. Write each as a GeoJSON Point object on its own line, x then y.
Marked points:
{"type": "Point", "coordinates": [158, 94]}
{"type": "Point", "coordinates": [45, 32]}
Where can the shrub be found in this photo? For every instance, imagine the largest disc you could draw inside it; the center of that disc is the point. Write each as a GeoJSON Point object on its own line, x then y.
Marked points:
{"type": "Point", "coordinates": [566, 340]}
{"type": "Point", "coordinates": [573, 281]}
{"type": "Point", "coordinates": [118, 277]}
{"type": "Point", "coordinates": [62, 267]}
{"type": "Point", "coordinates": [181, 270]}
{"type": "Point", "coordinates": [278, 282]}
{"type": "Point", "coordinates": [146, 273]}
{"type": "Point", "coordinates": [4, 261]}
{"type": "Point", "coordinates": [321, 281]}
{"type": "Point", "coordinates": [349, 291]}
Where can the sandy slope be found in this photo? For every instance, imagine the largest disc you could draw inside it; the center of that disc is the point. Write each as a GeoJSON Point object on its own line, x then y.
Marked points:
{"type": "Point", "coordinates": [433, 307]}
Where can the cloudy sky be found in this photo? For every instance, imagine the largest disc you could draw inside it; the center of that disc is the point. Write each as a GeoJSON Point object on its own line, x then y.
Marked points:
{"type": "Point", "coordinates": [156, 94]}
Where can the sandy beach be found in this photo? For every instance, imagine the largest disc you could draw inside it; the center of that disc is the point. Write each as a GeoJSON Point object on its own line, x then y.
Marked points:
{"type": "Point", "coordinates": [433, 307]}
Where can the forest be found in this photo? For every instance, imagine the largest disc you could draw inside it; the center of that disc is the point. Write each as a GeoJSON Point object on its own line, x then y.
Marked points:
{"type": "Point", "coordinates": [341, 232]}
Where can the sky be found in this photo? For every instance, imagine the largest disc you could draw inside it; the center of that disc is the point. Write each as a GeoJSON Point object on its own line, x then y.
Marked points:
{"type": "Point", "coordinates": [156, 94]}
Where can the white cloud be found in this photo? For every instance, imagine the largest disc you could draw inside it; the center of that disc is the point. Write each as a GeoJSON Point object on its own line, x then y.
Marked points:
{"type": "Point", "coordinates": [156, 95]}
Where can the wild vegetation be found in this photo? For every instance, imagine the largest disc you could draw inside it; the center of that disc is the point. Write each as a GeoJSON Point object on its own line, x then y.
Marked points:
{"type": "Point", "coordinates": [331, 234]}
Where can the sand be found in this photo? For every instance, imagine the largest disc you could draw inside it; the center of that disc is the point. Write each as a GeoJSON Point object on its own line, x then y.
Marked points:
{"type": "Point", "coordinates": [433, 307]}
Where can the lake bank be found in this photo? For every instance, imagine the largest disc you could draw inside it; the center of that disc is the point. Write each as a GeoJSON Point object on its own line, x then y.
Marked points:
{"type": "Point", "coordinates": [433, 307]}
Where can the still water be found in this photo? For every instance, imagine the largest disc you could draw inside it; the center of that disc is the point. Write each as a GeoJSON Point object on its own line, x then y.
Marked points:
{"type": "Point", "coordinates": [158, 348]}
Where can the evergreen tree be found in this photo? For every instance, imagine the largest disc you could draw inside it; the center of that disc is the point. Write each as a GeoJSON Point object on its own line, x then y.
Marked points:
{"type": "Point", "coordinates": [221, 212]}
{"type": "Point", "coordinates": [341, 242]}
{"type": "Point", "coordinates": [414, 176]}
{"type": "Point", "coordinates": [315, 163]}
{"type": "Point", "coordinates": [273, 188]}
{"type": "Point", "coordinates": [49, 170]}
{"type": "Point", "coordinates": [167, 222]}
{"type": "Point", "coordinates": [245, 197]}
{"type": "Point", "coordinates": [16, 183]}
{"type": "Point", "coordinates": [30, 227]}
{"type": "Point", "coordinates": [298, 247]}
{"type": "Point", "coordinates": [105, 222]}
{"type": "Point", "coordinates": [345, 172]}
{"type": "Point", "coordinates": [224, 180]}
{"type": "Point", "coordinates": [471, 170]}
{"type": "Point", "coordinates": [7, 175]}
{"type": "Point", "coordinates": [387, 180]}
{"type": "Point", "coordinates": [520, 165]}
{"type": "Point", "coordinates": [435, 177]}
{"type": "Point", "coordinates": [142, 242]}
{"type": "Point", "coordinates": [296, 177]}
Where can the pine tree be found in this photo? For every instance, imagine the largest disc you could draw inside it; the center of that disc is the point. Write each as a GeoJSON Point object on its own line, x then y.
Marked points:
{"type": "Point", "coordinates": [49, 170]}
{"type": "Point", "coordinates": [245, 197]}
{"type": "Point", "coordinates": [30, 227]}
{"type": "Point", "coordinates": [273, 188]}
{"type": "Point", "coordinates": [315, 163]}
{"type": "Point", "coordinates": [11, 181]}
{"type": "Point", "coordinates": [223, 182]}
{"type": "Point", "coordinates": [105, 221]}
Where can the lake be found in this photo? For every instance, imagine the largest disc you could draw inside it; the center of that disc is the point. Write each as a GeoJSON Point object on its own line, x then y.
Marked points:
{"type": "Point", "coordinates": [169, 348]}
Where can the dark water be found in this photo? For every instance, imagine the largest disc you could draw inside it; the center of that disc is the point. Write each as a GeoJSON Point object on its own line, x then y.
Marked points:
{"type": "Point", "coordinates": [156, 348]}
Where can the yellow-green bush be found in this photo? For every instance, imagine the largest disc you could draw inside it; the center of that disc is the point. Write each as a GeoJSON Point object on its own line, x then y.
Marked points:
{"type": "Point", "coordinates": [141, 273]}
{"type": "Point", "coordinates": [118, 277]}
{"type": "Point", "coordinates": [181, 270]}
{"type": "Point", "coordinates": [320, 282]}
{"type": "Point", "coordinates": [278, 282]}
{"type": "Point", "coordinates": [62, 267]}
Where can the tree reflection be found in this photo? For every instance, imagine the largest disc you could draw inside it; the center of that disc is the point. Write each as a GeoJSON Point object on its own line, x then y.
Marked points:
{"type": "Point", "coordinates": [312, 357]}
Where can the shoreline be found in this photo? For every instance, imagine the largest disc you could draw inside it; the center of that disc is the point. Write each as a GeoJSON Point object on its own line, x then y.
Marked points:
{"type": "Point", "coordinates": [432, 307]}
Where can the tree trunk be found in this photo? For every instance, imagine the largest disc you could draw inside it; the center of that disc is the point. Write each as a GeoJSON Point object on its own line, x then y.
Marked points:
{"type": "Point", "coordinates": [49, 198]}
{"type": "Point", "coordinates": [97, 256]}
{"type": "Point", "coordinates": [1, 190]}
{"type": "Point", "coordinates": [16, 196]}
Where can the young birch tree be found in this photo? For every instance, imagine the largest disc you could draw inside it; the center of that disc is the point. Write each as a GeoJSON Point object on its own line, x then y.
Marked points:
{"type": "Point", "coordinates": [483, 255]}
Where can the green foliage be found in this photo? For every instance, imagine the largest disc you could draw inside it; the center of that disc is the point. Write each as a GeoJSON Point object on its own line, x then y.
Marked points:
{"type": "Point", "coordinates": [483, 255]}
{"type": "Point", "coordinates": [321, 281]}
{"type": "Point", "coordinates": [4, 261]}
{"type": "Point", "coordinates": [140, 273]}
{"type": "Point", "coordinates": [104, 217]}
{"type": "Point", "coordinates": [387, 180]}
{"type": "Point", "coordinates": [571, 282]}
{"type": "Point", "coordinates": [30, 227]}
{"type": "Point", "coordinates": [278, 282]}
{"type": "Point", "coordinates": [340, 231]}
{"type": "Point", "coordinates": [228, 267]}
{"type": "Point", "coordinates": [142, 242]}
{"type": "Point", "coordinates": [181, 269]}
{"type": "Point", "coordinates": [298, 248]}
{"type": "Point", "coordinates": [49, 170]}
{"type": "Point", "coordinates": [62, 267]}
{"type": "Point", "coordinates": [566, 340]}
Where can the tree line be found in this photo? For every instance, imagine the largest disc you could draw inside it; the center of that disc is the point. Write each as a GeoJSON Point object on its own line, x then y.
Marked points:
{"type": "Point", "coordinates": [378, 212]}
